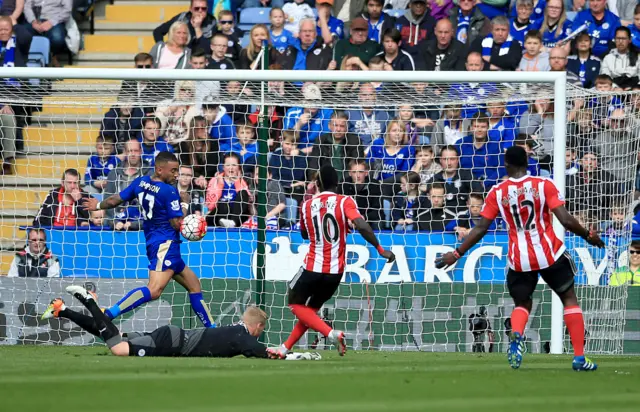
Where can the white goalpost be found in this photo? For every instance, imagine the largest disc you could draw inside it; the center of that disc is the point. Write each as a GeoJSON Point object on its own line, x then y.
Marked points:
{"type": "Point", "coordinates": [408, 305]}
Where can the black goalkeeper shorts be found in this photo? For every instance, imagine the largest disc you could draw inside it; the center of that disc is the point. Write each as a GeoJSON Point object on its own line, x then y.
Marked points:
{"type": "Point", "coordinates": [313, 289]}
{"type": "Point", "coordinates": [559, 277]}
{"type": "Point", "coordinates": [164, 341]}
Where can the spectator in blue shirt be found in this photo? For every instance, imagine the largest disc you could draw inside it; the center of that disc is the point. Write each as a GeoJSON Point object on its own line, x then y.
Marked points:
{"type": "Point", "coordinates": [479, 154]}
{"type": "Point", "coordinates": [221, 126]}
{"type": "Point", "coordinates": [100, 164]}
{"type": "Point", "coordinates": [392, 154]}
{"type": "Point", "coordinates": [584, 64]}
{"type": "Point", "coordinates": [245, 145]}
{"type": "Point", "coordinates": [537, 9]}
{"type": "Point", "coordinates": [555, 26]}
{"type": "Point", "coordinates": [328, 26]}
{"type": "Point", "coordinates": [281, 38]}
{"type": "Point", "coordinates": [602, 25]}
{"type": "Point", "coordinates": [309, 122]}
{"type": "Point", "coordinates": [635, 27]}
{"type": "Point", "coordinates": [152, 143]}
{"type": "Point", "coordinates": [368, 122]}
{"type": "Point", "coordinates": [502, 128]}
{"type": "Point", "coordinates": [524, 20]}
{"type": "Point", "coordinates": [379, 22]}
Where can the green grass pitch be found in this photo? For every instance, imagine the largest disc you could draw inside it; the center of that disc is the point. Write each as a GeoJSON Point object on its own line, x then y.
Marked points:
{"type": "Point", "coordinates": [65, 379]}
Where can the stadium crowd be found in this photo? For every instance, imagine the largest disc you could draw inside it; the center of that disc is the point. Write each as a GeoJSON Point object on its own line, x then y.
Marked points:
{"type": "Point", "coordinates": [408, 168]}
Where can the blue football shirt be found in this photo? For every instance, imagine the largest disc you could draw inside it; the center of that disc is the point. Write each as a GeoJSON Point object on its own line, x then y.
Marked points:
{"type": "Point", "coordinates": [160, 203]}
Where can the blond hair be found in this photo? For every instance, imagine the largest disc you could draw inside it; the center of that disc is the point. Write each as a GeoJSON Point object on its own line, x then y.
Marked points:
{"type": "Point", "coordinates": [253, 315]}
{"type": "Point", "coordinates": [561, 20]}
{"type": "Point", "coordinates": [387, 135]}
{"type": "Point", "coordinates": [172, 32]}
{"type": "Point", "coordinates": [252, 50]}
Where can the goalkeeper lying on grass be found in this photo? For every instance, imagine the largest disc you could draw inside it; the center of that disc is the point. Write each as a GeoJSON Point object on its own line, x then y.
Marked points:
{"type": "Point", "coordinates": [169, 340]}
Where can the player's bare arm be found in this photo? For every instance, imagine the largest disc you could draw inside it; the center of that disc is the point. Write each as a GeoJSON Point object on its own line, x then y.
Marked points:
{"type": "Point", "coordinates": [571, 224]}
{"type": "Point", "coordinates": [472, 238]}
{"type": "Point", "coordinates": [367, 233]}
{"type": "Point", "coordinates": [304, 233]}
{"type": "Point", "coordinates": [92, 204]}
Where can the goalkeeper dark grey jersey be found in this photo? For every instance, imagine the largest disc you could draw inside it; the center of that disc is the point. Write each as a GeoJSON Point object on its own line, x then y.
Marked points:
{"type": "Point", "coordinates": [222, 342]}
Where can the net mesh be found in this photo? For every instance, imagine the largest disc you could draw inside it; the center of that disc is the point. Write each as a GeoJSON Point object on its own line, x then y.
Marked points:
{"type": "Point", "coordinates": [406, 178]}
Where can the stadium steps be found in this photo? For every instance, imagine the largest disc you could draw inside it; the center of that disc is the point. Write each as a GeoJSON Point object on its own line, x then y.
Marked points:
{"type": "Point", "coordinates": [48, 167]}
{"type": "Point", "coordinates": [11, 237]}
{"type": "Point", "coordinates": [63, 140]}
{"type": "Point", "coordinates": [90, 58]}
{"type": "Point", "coordinates": [59, 104]}
{"type": "Point", "coordinates": [121, 43]}
{"type": "Point", "coordinates": [144, 11]}
{"type": "Point", "coordinates": [5, 262]}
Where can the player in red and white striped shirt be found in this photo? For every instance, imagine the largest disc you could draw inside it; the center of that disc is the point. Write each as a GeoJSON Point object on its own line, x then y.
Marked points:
{"type": "Point", "coordinates": [526, 204]}
{"type": "Point", "coordinates": [325, 223]}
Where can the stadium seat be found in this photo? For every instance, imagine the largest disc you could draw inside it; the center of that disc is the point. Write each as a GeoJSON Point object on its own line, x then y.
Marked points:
{"type": "Point", "coordinates": [5, 262]}
{"type": "Point", "coordinates": [49, 167]}
{"type": "Point", "coordinates": [51, 136]}
{"type": "Point", "coordinates": [252, 16]}
{"type": "Point", "coordinates": [21, 199]}
{"type": "Point", "coordinates": [39, 52]}
{"type": "Point", "coordinates": [244, 41]}
{"type": "Point", "coordinates": [395, 12]}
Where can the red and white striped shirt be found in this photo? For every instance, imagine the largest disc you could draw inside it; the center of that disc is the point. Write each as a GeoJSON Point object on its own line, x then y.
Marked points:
{"type": "Point", "coordinates": [525, 205]}
{"type": "Point", "coordinates": [325, 218]}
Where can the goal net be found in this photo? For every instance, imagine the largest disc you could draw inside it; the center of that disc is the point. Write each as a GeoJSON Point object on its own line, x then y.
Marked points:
{"type": "Point", "coordinates": [417, 156]}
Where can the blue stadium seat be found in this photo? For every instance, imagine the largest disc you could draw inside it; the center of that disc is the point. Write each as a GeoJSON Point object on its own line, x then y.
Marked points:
{"type": "Point", "coordinates": [39, 52]}
{"type": "Point", "coordinates": [244, 41]}
{"type": "Point", "coordinates": [395, 12]}
{"type": "Point", "coordinates": [252, 16]}
{"type": "Point", "coordinates": [571, 15]}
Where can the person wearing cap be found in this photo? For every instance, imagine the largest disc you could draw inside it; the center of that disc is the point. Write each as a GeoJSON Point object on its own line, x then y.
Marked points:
{"type": "Point", "coordinates": [469, 22]}
{"type": "Point", "coordinates": [379, 22]}
{"type": "Point", "coordinates": [309, 121]}
{"type": "Point", "coordinates": [358, 43]}
{"type": "Point", "coordinates": [415, 26]}
{"type": "Point", "coordinates": [307, 52]}
{"type": "Point", "coordinates": [499, 50]}
{"type": "Point", "coordinates": [444, 52]}
{"type": "Point", "coordinates": [328, 26]}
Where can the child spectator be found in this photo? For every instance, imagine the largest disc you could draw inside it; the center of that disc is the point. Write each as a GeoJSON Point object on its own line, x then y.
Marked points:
{"type": "Point", "coordinates": [583, 64]}
{"type": "Point", "coordinates": [281, 38]}
{"type": "Point", "coordinates": [100, 164]}
{"type": "Point", "coordinates": [392, 154]}
{"type": "Point", "coordinates": [418, 129]}
{"type": "Point", "coordinates": [436, 218]}
{"type": "Point", "coordinates": [534, 59]}
{"type": "Point", "coordinates": [245, 144]}
{"type": "Point", "coordinates": [228, 198]}
{"type": "Point", "coordinates": [468, 219]}
{"type": "Point", "coordinates": [96, 220]}
{"type": "Point", "coordinates": [220, 58]}
{"type": "Point", "coordinates": [226, 26]}
{"type": "Point", "coordinates": [221, 128]}
{"type": "Point", "coordinates": [407, 203]}
{"type": "Point", "coordinates": [288, 167]}
{"type": "Point", "coordinates": [425, 165]}
{"type": "Point", "coordinates": [152, 143]}
{"type": "Point", "coordinates": [602, 106]}
{"type": "Point", "coordinates": [294, 13]}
